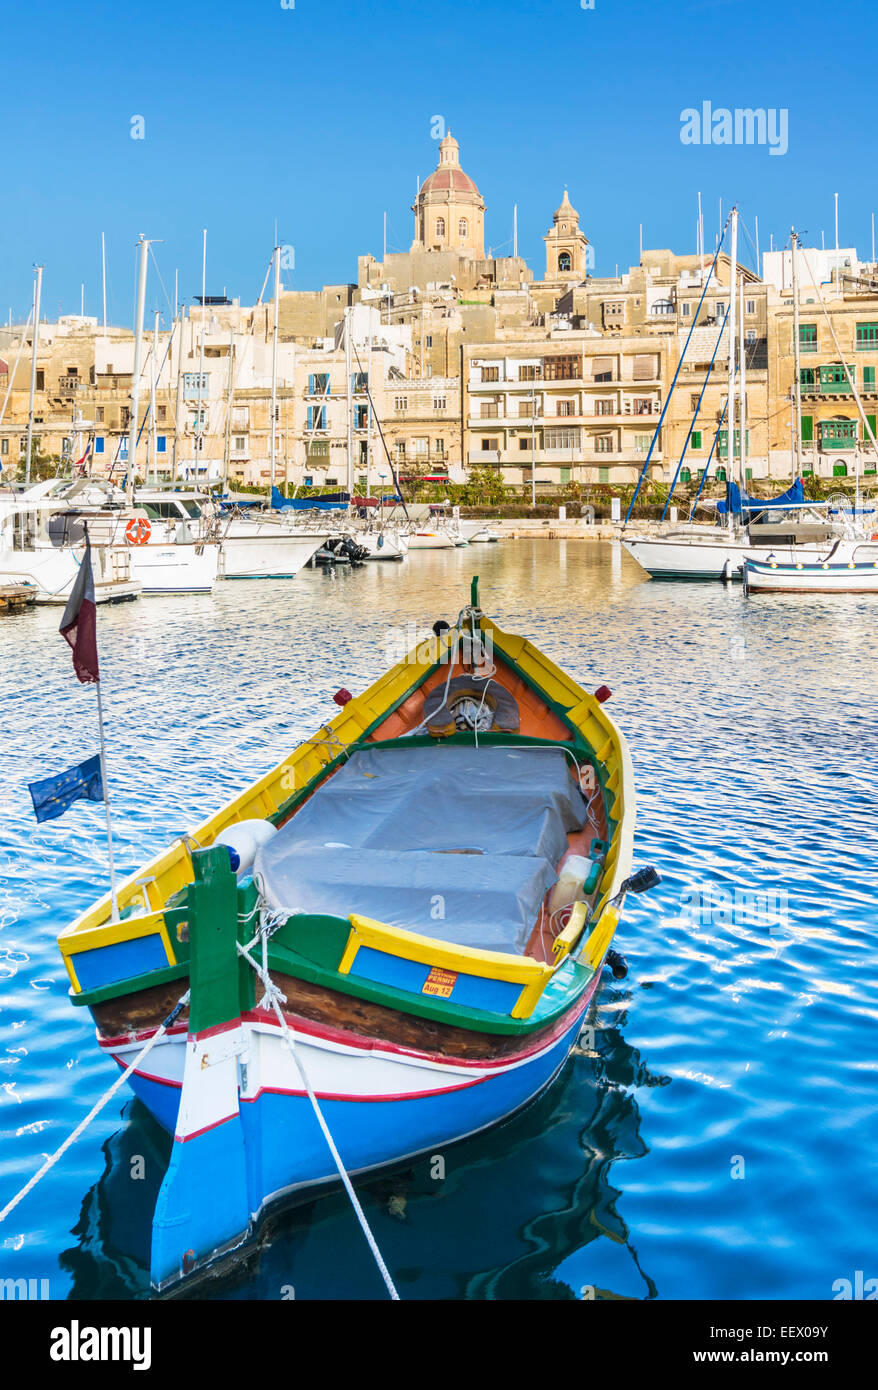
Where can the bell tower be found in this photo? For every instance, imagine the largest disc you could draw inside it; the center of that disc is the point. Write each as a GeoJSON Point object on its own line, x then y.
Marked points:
{"type": "Point", "coordinates": [566, 245]}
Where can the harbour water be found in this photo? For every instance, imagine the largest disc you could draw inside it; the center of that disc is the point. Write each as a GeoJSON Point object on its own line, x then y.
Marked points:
{"type": "Point", "coordinates": [713, 1134]}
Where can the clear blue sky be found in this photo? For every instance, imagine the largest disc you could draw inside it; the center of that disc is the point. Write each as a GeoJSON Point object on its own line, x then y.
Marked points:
{"type": "Point", "coordinates": [320, 117]}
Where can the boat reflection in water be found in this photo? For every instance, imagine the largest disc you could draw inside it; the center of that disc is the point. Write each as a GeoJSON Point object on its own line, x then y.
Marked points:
{"type": "Point", "coordinates": [505, 1215]}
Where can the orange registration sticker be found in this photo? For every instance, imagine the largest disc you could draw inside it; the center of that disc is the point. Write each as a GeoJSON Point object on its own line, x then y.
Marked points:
{"type": "Point", "coordinates": [440, 982]}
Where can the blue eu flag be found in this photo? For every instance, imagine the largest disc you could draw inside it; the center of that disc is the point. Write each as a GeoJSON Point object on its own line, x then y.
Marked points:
{"type": "Point", "coordinates": [54, 795]}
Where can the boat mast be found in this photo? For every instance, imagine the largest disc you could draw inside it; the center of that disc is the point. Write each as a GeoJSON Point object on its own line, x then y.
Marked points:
{"type": "Point", "coordinates": [797, 380]}
{"type": "Point", "coordinates": [199, 436]}
{"type": "Point", "coordinates": [229, 394]}
{"type": "Point", "coordinates": [178, 403]}
{"type": "Point", "coordinates": [143, 252]}
{"type": "Point", "coordinates": [742, 476]}
{"type": "Point", "coordinates": [153, 454]}
{"type": "Point", "coordinates": [369, 420]}
{"type": "Point", "coordinates": [347, 368]}
{"type": "Point", "coordinates": [38, 286]}
{"type": "Point", "coordinates": [273, 445]}
{"type": "Point", "coordinates": [730, 424]}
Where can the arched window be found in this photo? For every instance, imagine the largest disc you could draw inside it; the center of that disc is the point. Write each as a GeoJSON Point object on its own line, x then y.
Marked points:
{"type": "Point", "coordinates": [564, 261]}
{"type": "Point", "coordinates": [462, 229]}
{"type": "Point", "coordinates": [440, 226]}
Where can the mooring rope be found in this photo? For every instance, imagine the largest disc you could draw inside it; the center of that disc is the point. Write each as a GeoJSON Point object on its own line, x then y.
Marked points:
{"type": "Point", "coordinates": [95, 1110]}
{"type": "Point", "coordinates": [273, 996]}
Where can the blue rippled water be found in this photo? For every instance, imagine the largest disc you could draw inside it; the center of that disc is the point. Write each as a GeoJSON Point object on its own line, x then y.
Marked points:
{"type": "Point", "coordinates": [712, 1137]}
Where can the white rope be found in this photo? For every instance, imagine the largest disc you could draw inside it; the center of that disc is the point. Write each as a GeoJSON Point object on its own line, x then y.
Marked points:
{"type": "Point", "coordinates": [95, 1110]}
{"type": "Point", "coordinates": [273, 995]}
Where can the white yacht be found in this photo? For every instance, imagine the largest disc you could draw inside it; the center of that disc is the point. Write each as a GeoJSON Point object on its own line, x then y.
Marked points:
{"type": "Point", "coordinates": [787, 529]}
{"type": "Point", "coordinates": [42, 544]}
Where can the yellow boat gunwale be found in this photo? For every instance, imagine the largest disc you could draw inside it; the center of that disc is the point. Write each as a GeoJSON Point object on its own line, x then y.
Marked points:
{"type": "Point", "coordinates": [171, 870]}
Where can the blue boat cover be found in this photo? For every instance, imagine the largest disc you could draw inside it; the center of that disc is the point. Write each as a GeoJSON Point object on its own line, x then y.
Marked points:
{"type": "Point", "coordinates": [455, 842]}
{"type": "Point", "coordinates": [328, 502]}
{"type": "Point", "coordinates": [737, 501]}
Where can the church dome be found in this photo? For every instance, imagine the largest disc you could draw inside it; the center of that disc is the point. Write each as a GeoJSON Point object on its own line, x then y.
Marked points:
{"type": "Point", "coordinates": [449, 209]}
{"type": "Point", "coordinates": [448, 177]}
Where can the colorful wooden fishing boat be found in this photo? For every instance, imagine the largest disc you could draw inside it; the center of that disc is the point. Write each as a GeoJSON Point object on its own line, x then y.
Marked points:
{"type": "Point", "coordinates": [432, 883]}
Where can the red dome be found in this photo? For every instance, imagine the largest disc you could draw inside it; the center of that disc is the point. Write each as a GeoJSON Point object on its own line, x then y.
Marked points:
{"type": "Point", "coordinates": [448, 180]}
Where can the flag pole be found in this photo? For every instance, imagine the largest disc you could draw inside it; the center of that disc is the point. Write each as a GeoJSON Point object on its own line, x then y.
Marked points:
{"type": "Point", "coordinates": [113, 895]}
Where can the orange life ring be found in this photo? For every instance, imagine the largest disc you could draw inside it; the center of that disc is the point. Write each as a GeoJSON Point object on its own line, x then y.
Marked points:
{"type": "Point", "coordinates": [138, 530]}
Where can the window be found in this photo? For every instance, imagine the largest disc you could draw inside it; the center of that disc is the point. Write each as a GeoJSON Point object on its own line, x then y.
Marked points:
{"type": "Point", "coordinates": [719, 309]}
{"type": "Point", "coordinates": [438, 402]}
{"type": "Point", "coordinates": [565, 475]}
{"type": "Point", "coordinates": [309, 481]}
{"type": "Point", "coordinates": [316, 417]}
{"type": "Point", "coordinates": [401, 403]}
{"type": "Point", "coordinates": [462, 229]}
{"type": "Point", "coordinates": [4, 446]}
{"type": "Point", "coordinates": [603, 444]}
{"type": "Point", "coordinates": [361, 417]}
{"type": "Point", "coordinates": [564, 262]}
{"type": "Point", "coordinates": [561, 368]}
{"type": "Point", "coordinates": [645, 367]}
{"type": "Point", "coordinates": [195, 385]}
{"type": "Point", "coordinates": [400, 449]}
{"type": "Point", "coordinates": [362, 481]}
{"type": "Point", "coordinates": [867, 335]}
{"type": "Point", "coordinates": [566, 408]}
{"type": "Point", "coordinates": [488, 444]}
{"type": "Point", "coordinates": [695, 439]}
{"type": "Point", "coordinates": [440, 446]}
{"type": "Point", "coordinates": [422, 446]}
{"type": "Point", "coordinates": [490, 410]}
{"type": "Point", "coordinates": [99, 414]}
{"type": "Point", "coordinates": [161, 444]}
{"type": "Point", "coordinates": [41, 379]}
{"type": "Point", "coordinates": [317, 449]}
{"type": "Point", "coordinates": [526, 409]}
{"type": "Point", "coordinates": [750, 337]}
{"type": "Point", "coordinates": [318, 384]}
{"type": "Point", "coordinates": [603, 475]}
{"type": "Point", "coordinates": [523, 443]}
{"type": "Point", "coordinates": [808, 378]}
{"type": "Point", "coordinates": [161, 412]}
{"type": "Point", "coordinates": [429, 340]}
{"type": "Point", "coordinates": [868, 378]}
{"type": "Point", "coordinates": [685, 475]}
{"type": "Point", "coordinates": [562, 437]}
{"type": "Point", "coordinates": [490, 374]}
{"type": "Point", "coordinates": [642, 405]}
{"type": "Point", "coordinates": [750, 306]}
{"type": "Point", "coordinates": [440, 226]}
{"type": "Point", "coordinates": [240, 417]}
{"type": "Point", "coordinates": [360, 381]}
{"type": "Point", "coordinates": [528, 371]}
{"type": "Point", "coordinates": [239, 443]}
{"type": "Point", "coordinates": [808, 337]}
{"type": "Point", "coordinates": [605, 407]}
{"type": "Point", "coordinates": [685, 309]}
{"type": "Point", "coordinates": [642, 443]}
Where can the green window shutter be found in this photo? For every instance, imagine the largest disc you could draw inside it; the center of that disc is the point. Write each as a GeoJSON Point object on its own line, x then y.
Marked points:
{"type": "Point", "coordinates": [808, 337]}
{"type": "Point", "coordinates": [868, 378]}
{"type": "Point", "coordinates": [807, 428]}
{"type": "Point", "coordinates": [721, 475]}
{"type": "Point", "coordinates": [872, 426]}
{"type": "Point", "coordinates": [696, 439]}
{"type": "Point", "coordinates": [867, 335]}
{"type": "Point", "coordinates": [685, 475]}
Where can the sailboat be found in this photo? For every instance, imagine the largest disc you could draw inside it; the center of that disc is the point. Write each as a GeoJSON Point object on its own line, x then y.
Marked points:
{"type": "Point", "coordinates": [787, 527]}
{"type": "Point", "coordinates": [391, 938]}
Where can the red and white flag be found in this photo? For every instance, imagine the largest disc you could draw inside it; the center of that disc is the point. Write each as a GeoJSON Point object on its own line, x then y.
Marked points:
{"type": "Point", "coordinates": [79, 623]}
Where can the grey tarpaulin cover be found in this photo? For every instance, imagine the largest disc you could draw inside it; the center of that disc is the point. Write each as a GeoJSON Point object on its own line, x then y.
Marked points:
{"type": "Point", "coordinates": [452, 841]}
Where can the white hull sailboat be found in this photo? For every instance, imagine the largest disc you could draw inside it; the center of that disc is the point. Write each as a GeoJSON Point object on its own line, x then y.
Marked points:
{"type": "Point", "coordinates": [851, 567]}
